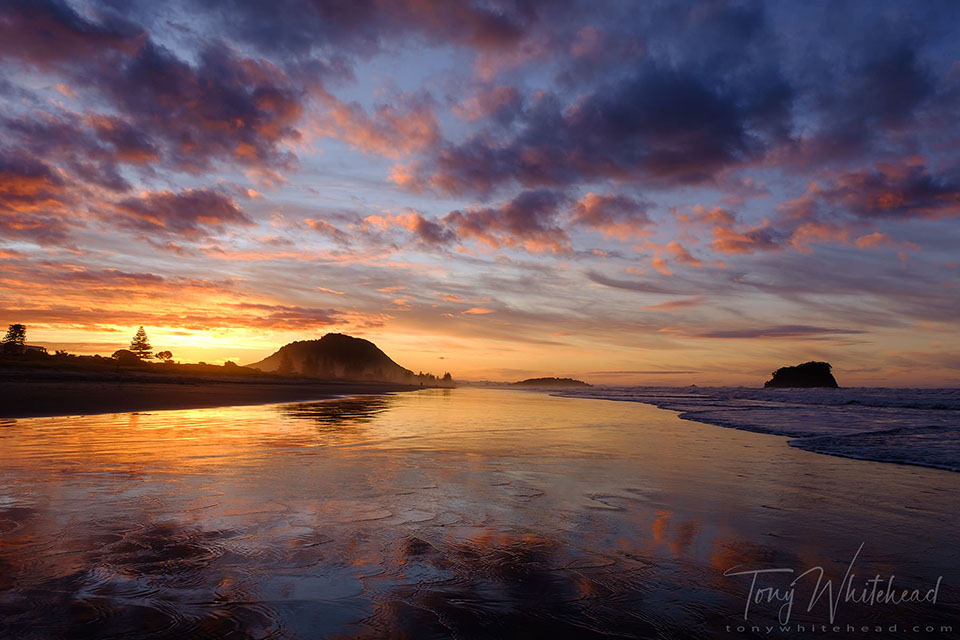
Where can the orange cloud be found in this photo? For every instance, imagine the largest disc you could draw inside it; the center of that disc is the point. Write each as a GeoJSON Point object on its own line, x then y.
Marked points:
{"type": "Point", "coordinates": [391, 131]}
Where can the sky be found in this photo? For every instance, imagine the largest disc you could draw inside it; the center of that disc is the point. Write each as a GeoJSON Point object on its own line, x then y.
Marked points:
{"type": "Point", "coordinates": [662, 193]}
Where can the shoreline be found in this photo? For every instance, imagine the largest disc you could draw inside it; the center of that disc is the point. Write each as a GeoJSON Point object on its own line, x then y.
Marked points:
{"type": "Point", "coordinates": [715, 412]}
{"type": "Point", "coordinates": [39, 398]}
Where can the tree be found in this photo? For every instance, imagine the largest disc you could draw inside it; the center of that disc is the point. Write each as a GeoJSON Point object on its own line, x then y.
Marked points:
{"type": "Point", "coordinates": [140, 345]}
{"type": "Point", "coordinates": [125, 357]}
{"type": "Point", "coordinates": [286, 364]}
{"type": "Point", "coordinates": [15, 339]}
{"type": "Point", "coordinates": [165, 356]}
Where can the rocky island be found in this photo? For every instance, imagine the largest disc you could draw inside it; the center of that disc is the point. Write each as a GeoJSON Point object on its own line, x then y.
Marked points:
{"type": "Point", "coordinates": [550, 382]}
{"type": "Point", "coordinates": [807, 375]}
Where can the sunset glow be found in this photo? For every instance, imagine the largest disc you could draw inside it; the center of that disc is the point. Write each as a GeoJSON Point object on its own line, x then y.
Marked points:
{"type": "Point", "coordinates": [652, 194]}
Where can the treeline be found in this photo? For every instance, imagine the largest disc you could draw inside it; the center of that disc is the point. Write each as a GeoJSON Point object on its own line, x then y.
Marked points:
{"type": "Point", "coordinates": [14, 346]}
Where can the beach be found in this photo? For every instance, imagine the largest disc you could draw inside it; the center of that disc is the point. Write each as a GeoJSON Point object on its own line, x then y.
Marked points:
{"type": "Point", "coordinates": [31, 393]}
{"type": "Point", "coordinates": [465, 513]}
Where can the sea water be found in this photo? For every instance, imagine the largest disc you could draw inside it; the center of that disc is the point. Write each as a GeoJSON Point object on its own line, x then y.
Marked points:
{"type": "Point", "coordinates": [909, 426]}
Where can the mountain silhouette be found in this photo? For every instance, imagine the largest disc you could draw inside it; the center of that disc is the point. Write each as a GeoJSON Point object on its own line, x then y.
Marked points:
{"type": "Point", "coordinates": [337, 356]}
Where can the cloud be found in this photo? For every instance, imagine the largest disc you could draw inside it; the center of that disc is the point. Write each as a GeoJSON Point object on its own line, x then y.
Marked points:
{"type": "Point", "coordinates": [91, 147]}
{"type": "Point", "coordinates": [615, 215]}
{"type": "Point", "coordinates": [530, 221]}
{"type": "Point", "coordinates": [894, 190]}
{"type": "Point", "coordinates": [779, 331]}
{"type": "Point", "coordinates": [297, 28]}
{"type": "Point", "coordinates": [47, 33]}
{"type": "Point", "coordinates": [224, 107]}
{"type": "Point", "coordinates": [874, 240]}
{"type": "Point", "coordinates": [673, 305]}
{"type": "Point", "coordinates": [32, 196]}
{"type": "Point", "coordinates": [404, 126]}
{"type": "Point", "coordinates": [221, 107]}
{"type": "Point", "coordinates": [746, 241]}
{"type": "Point", "coordinates": [630, 285]}
{"type": "Point", "coordinates": [429, 232]}
{"type": "Point", "coordinates": [325, 228]}
{"type": "Point", "coordinates": [502, 103]}
{"type": "Point", "coordinates": [190, 213]}
{"type": "Point", "coordinates": [662, 124]}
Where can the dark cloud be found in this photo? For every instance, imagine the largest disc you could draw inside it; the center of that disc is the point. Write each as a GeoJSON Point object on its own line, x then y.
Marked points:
{"type": "Point", "coordinates": [224, 107]}
{"type": "Point", "coordinates": [662, 124]}
{"type": "Point", "coordinates": [895, 191]}
{"type": "Point", "coordinates": [92, 148]}
{"type": "Point", "coordinates": [50, 32]}
{"type": "Point", "coordinates": [429, 231]}
{"type": "Point", "coordinates": [190, 213]}
{"type": "Point", "coordinates": [642, 286]}
{"type": "Point", "coordinates": [530, 220]}
{"type": "Point", "coordinates": [614, 214]}
{"type": "Point", "coordinates": [363, 27]}
{"type": "Point", "coordinates": [221, 107]}
{"type": "Point", "coordinates": [32, 196]}
{"type": "Point", "coordinates": [779, 331]}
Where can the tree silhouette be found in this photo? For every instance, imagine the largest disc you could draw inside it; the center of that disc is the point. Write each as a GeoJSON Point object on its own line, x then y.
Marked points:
{"type": "Point", "coordinates": [125, 357]}
{"type": "Point", "coordinates": [140, 345]}
{"type": "Point", "coordinates": [165, 356]}
{"type": "Point", "coordinates": [286, 364]}
{"type": "Point", "coordinates": [14, 340]}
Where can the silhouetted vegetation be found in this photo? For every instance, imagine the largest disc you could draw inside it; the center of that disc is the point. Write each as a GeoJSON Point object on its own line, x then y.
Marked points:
{"type": "Point", "coordinates": [140, 345]}
{"type": "Point", "coordinates": [806, 375]}
{"type": "Point", "coordinates": [286, 365]}
{"type": "Point", "coordinates": [14, 342]}
{"type": "Point", "coordinates": [164, 356]}
{"type": "Point", "coordinates": [126, 357]}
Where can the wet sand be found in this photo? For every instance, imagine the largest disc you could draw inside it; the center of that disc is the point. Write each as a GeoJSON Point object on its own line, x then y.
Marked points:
{"type": "Point", "coordinates": [36, 398]}
{"type": "Point", "coordinates": [461, 513]}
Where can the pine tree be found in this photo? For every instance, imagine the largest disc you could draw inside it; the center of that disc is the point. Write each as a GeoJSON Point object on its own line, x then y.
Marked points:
{"type": "Point", "coordinates": [140, 345]}
{"type": "Point", "coordinates": [14, 340]}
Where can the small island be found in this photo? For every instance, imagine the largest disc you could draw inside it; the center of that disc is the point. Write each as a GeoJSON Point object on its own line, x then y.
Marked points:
{"type": "Point", "coordinates": [550, 382]}
{"type": "Point", "coordinates": [803, 376]}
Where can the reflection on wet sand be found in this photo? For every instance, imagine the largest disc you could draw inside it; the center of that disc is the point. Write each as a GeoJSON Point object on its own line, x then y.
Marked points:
{"type": "Point", "coordinates": [339, 413]}
{"type": "Point", "coordinates": [460, 514]}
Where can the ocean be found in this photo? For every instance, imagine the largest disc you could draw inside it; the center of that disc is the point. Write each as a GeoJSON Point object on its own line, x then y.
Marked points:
{"type": "Point", "coordinates": [907, 426]}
